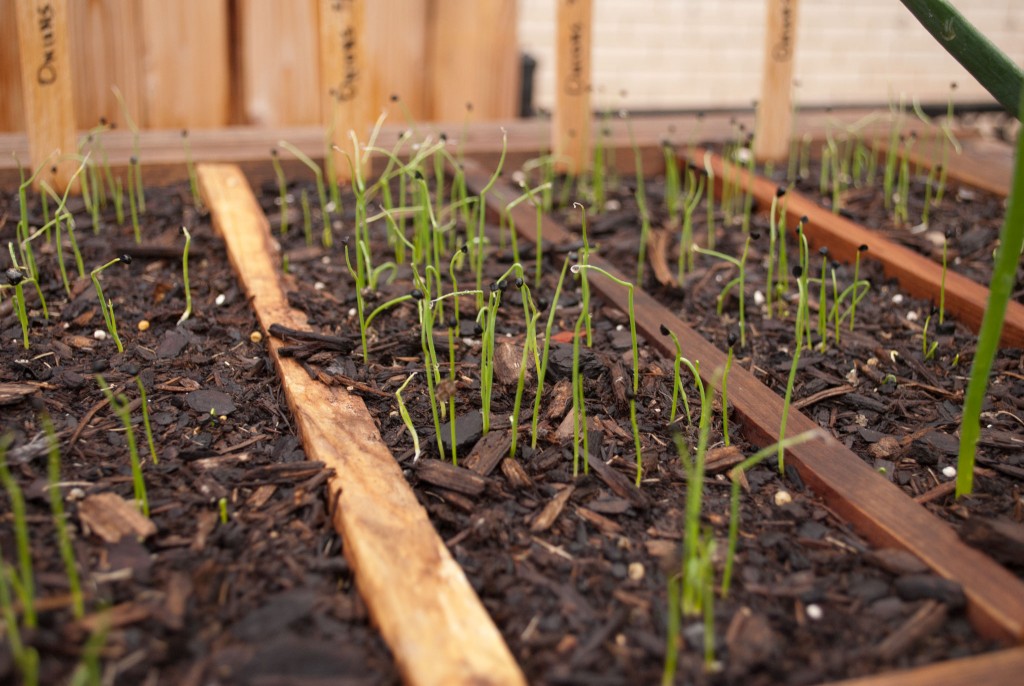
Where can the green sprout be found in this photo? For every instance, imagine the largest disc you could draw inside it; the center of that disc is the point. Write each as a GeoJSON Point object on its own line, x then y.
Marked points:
{"type": "Point", "coordinates": [690, 201]}
{"type": "Point", "coordinates": [738, 282]}
{"type": "Point", "coordinates": [25, 657]}
{"type": "Point", "coordinates": [24, 580]}
{"type": "Point", "coordinates": [190, 166]}
{"type": "Point", "coordinates": [942, 284]}
{"type": "Point", "coordinates": [122, 408]}
{"type": "Point", "coordinates": [222, 508]}
{"type": "Point", "coordinates": [928, 348]}
{"type": "Point", "coordinates": [282, 189]}
{"type": "Point", "coordinates": [406, 419]}
{"type": "Point", "coordinates": [184, 277]}
{"type": "Point", "coordinates": [67, 552]}
{"type": "Point", "coordinates": [677, 383]}
{"type": "Point", "coordinates": [542, 362]}
{"type": "Point", "coordinates": [631, 394]}
{"type": "Point", "coordinates": [107, 306]}
{"type": "Point", "coordinates": [801, 313]}
{"type": "Point", "coordinates": [327, 237]}
{"type": "Point", "coordinates": [731, 340]}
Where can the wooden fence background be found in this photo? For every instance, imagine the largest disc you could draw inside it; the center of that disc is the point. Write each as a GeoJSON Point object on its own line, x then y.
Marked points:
{"type": "Point", "coordinates": [213, 63]}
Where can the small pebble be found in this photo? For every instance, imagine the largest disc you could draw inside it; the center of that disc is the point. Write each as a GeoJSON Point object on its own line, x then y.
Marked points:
{"type": "Point", "coordinates": [255, 337]}
{"type": "Point", "coordinates": [814, 612]}
{"type": "Point", "coordinates": [913, 316]}
{"type": "Point", "coordinates": [898, 298]}
{"type": "Point", "coordinates": [99, 335]}
{"type": "Point", "coordinates": [636, 571]}
{"type": "Point", "coordinates": [782, 498]}
{"type": "Point", "coordinates": [75, 493]}
{"type": "Point", "coordinates": [319, 286]}
{"type": "Point", "coordinates": [949, 472]}
{"type": "Point", "coordinates": [759, 298]}
{"type": "Point", "coordinates": [351, 312]}
{"type": "Point", "coordinates": [144, 325]}
{"type": "Point", "coordinates": [326, 259]}
{"type": "Point", "coordinates": [220, 300]}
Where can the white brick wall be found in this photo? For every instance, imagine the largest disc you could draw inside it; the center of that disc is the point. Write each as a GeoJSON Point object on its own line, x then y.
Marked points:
{"type": "Point", "coordinates": [671, 54]}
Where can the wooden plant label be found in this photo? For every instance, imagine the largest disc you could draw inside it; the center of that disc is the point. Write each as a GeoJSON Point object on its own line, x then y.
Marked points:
{"type": "Point", "coordinates": [343, 79]}
{"type": "Point", "coordinates": [570, 129]}
{"type": "Point", "coordinates": [775, 108]}
{"type": "Point", "coordinates": [46, 86]}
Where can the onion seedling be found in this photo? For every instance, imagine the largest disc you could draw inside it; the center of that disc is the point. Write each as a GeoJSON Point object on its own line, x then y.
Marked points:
{"type": "Point", "coordinates": [326, 238]}
{"type": "Point", "coordinates": [107, 306]}
{"type": "Point", "coordinates": [282, 190]}
{"type": "Point", "coordinates": [25, 657]}
{"type": "Point", "coordinates": [24, 580]}
{"type": "Point", "coordinates": [133, 203]}
{"type": "Point", "coordinates": [773, 239]}
{"type": "Point", "coordinates": [579, 406]}
{"type": "Point", "coordinates": [122, 408]}
{"type": "Point", "coordinates": [542, 362]}
{"type": "Point", "coordinates": [532, 314]}
{"type": "Point", "coordinates": [677, 383]}
{"type": "Point", "coordinates": [863, 248]}
{"type": "Point", "coordinates": [736, 475]}
{"type": "Point", "coordinates": [942, 284]}
{"type": "Point", "coordinates": [407, 420]}
{"type": "Point", "coordinates": [16, 279]}
{"type": "Point", "coordinates": [928, 349]}
{"type": "Point", "coordinates": [691, 198]}
{"type": "Point", "coordinates": [738, 282]}
{"type": "Point", "coordinates": [477, 257]}
{"type": "Point", "coordinates": [822, 299]}
{"type": "Point", "coordinates": [710, 200]}
{"type": "Point", "coordinates": [190, 166]}
{"type": "Point", "coordinates": [184, 277]}
{"type": "Point", "coordinates": [631, 394]}
{"type": "Point", "coordinates": [67, 552]}
{"type": "Point", "coordinates": [801, 312]}
{"type": "Point", "coordinates": [731, 340]}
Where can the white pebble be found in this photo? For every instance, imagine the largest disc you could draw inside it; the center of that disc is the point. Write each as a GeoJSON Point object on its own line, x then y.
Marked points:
{"type": "Point", "coordinates": [351, 312]}
{"type": "Point", "coordinates": [636, 571]}
{"type": "Point", "coordinates": [913, 316]}
{"type": "Point", "coordinates": [898, 298]}
{"type": "Point", "coordinates": [759, 298]}
{"type": "Point", "coordinates": [619, 327]}
{"type": "Point", "coordinates": [319, 286]}
{"type": "Point", "coordinates": [326, 259]}
{"type": "Point", "coordinates": [949, 472]}
{"type": "Point", "coordinates": [612, 205]}
{"type": "Point", "coordinates": [99, 335]}
{"type": "Point", "coordinates": [221, 299]}
{"type": "Point", "coordinates": [814, 612]}
{"type": "Point", "coordinates": [782, 498]}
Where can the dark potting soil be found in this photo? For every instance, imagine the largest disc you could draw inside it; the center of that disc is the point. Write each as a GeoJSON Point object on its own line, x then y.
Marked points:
{"type": "Point", "coordinates": [264, 594]}
{"type": "Point", "coordinates": [574, 569]}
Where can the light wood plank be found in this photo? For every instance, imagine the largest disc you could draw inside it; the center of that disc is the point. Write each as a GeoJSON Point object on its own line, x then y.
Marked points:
{"type": "Point", "coordinates": [474, 60]}
{"type": "Point", "coordinates": [46, 77]}
{"type": "Point", "coordinates": [775, 107]}
{"type": "Point", "coordinates": [106, 52]}
{"type": "Point", "coordinates": [186, 63]}
{"type": "Point", "coordinates": [570, 133]}
{"type": "Point", "coordinates": [344, 85]}
{"type": "Point", "coordinates": [1003, 667]}
{"type": "Point", "coordinates": [396, 54]}
{"type": "Point", "coordinates": [416, 593]}
{"type": "Point", "coordinates": [279, 63]}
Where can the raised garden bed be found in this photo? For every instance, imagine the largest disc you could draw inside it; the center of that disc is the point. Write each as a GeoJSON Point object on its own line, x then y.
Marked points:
{"type": "Point", "coordinates": [572, 570]}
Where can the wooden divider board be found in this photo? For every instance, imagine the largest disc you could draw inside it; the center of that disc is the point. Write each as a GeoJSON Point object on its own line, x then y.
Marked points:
{"type": "Point", "coordinates": [473, 57]}
{"type": "Point", "coordinates": [344, 88]}
{"type": "Point", "coordinates": [775, 108]}
{"type": "Point", "coordinates": [991, 669]}
{"type": "Point", "coordinates": [278, 62]}
{"type": "Point", "coordinates": [571, 123]}
{"type": "Point", "coordinates": [416, 593]}
{"type": "Point", "coordinates": [12, 115]}
{"type": "Point", "coordinates": [186, 63]}
{"type": "Point", "coordinates": [395, 59]}
{"type": "Point", "coordinates": [873, 505]}
{"type": "Point", "coordinates": [920, 276]}
{"type": "Point", "coordinates": [107, 52]}
{"type": "Point", "coordinates": [46, 88]}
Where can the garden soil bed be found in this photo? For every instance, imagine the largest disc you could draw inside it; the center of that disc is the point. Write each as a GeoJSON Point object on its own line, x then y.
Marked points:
{"type": "Point", "coordinates": [572, 569]}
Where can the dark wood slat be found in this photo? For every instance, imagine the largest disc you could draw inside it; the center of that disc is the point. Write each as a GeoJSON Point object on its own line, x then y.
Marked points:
{"type": "Point", "coordinates": [966, 300]}
{"type": "Point", "coordinates": [1000, 668]}
{"type": "Point", "coordinates": [873, 505]}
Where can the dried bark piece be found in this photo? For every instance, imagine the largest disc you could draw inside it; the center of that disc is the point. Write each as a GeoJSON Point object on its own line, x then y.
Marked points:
{"type": "Point", "coordinates": [14, 393]}
{"type": "Point", "coordinates": [446, 475]}
{"type": "Point", "coordinates": [111, 517]}
{"type": "Point", "coordinates": [605, 525]}
{"type": "Point", "coordinates": [1003, 540]}
{"type": "Point", "coordinates": [657, 255]}
{"type": "Point", "coordinates": [552, 510]}
{"type": "Point", "coordinates": [516, 475]}
{"type": "Point", "coordinates": [925, 621]}
{"type": "Point", "coordinates": [488, 451]}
